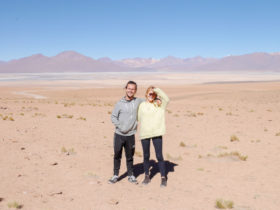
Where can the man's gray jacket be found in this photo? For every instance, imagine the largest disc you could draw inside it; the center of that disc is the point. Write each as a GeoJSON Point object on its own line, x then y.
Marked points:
{"type": "Point", "coordinates": [124, 116]}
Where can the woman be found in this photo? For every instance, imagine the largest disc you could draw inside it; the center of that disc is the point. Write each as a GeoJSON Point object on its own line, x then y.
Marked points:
{"type": "Point", "coordinates": [151, 116]}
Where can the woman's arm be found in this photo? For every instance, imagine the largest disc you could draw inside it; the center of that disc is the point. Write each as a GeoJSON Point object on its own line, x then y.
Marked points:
{"type": "Point", "coordinates": [164, 98]}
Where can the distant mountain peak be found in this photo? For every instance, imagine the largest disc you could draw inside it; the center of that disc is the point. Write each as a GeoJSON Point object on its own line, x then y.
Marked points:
{"type": "Point", "coordinates": [105, 59]}
{"type": "Point", "coordinates": [69, 53]}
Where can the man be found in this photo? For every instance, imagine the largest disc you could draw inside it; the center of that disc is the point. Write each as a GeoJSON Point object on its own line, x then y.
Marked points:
{"type": "Point", "coordinates": [124, 117]}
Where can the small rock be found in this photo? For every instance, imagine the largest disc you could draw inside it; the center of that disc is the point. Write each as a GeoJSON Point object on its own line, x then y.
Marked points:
{"type": "Point", "coordinates": [54, 164]}
{"type": "Point", "coordinates": [56, 193]}
{"type": "Point", "coordinates": [113, 202]}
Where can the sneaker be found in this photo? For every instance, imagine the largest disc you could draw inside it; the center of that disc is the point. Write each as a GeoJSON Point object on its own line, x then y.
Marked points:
{"type": "Point", "coordinates": [163, 182]}
{"type": "Point", "coordinates": [147, 180]}
{"type": "Point", "coordinates": [132, 179]}
{"type": "Point", "coordinates": [113, 180]}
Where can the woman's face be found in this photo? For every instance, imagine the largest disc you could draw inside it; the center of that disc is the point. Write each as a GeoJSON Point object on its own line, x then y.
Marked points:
{"type": "Point", "coordinates": [151, 96]}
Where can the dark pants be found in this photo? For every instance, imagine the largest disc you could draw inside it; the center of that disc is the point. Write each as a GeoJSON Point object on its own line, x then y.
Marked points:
{"type": "Point", "coordinates": [128, 142]}
{"type": "Point", "coordinates": [157, 141]}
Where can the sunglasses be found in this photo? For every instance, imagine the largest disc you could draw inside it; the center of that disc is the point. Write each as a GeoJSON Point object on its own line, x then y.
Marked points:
{"type": "Point", "coordinates": [151, 94]}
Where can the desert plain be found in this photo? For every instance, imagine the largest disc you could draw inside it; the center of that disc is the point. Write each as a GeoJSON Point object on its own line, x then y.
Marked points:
{"type": "Point", "coordinates": [221, 146]}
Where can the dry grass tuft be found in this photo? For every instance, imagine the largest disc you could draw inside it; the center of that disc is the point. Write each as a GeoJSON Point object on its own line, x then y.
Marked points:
{"type": "Point", "coordinates": [64, 116]}
{"type": "Point", "coordinates": [82, 118]}
{"type": "Point", "coordinates": [223, 147]}
{"type": "Point", "coordinates": [192, 114]}
{"type": "Point", "coordinates": [168, 111]}
{"type": "Point", "coordinates": [70, 151]}
{"type": "Point", "coordinates": [224, 204]}
{"type": "Point", "coordinates": [182, 144]}
{"type": "Point", "coordinates": [169, 157]}
{"type": "Point", "coordinates": [7, 118]}
{"type": "Point", "coordinates": [138, 154]}
{"type": "Point", "coordinates": [108, 104]}
{"type": "Point", "coordinates": [15, 205]}
{"type": "Point", "coordinates": [233, 154]}
{"type": "Point", "coordinates": [38, 115]}
{"type": "Point", "coordinates": [234, 138]}
{"type": "Point", "coordinates": [69, 104]}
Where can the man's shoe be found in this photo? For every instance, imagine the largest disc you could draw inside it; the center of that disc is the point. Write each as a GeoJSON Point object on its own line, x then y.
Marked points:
{"type": "Point", "coordinates": [163, 182]}
{"type": "Point", "coordinates": [132, 179]}
{"type": "Point", "coordinates": [113, 180]}
{"type": "Point", "coordinates": [147, 180]}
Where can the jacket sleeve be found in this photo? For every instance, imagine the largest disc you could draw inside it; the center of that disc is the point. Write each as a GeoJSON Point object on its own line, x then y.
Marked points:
{"type": "Point", "coordinates": [162, 95]}
{"type": "Point", "coordinates": [115, 116]}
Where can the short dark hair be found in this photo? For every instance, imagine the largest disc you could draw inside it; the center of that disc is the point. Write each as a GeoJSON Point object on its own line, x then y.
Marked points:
{"type": "Point", "coordinates": [131, 83]}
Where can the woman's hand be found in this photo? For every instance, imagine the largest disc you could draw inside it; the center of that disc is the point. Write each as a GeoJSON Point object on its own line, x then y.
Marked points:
{"type": "Point", "coordinates": [158, 101]}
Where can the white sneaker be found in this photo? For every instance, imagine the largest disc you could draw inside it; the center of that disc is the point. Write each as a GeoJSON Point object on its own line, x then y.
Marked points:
{"type": "Point", "coordinates": [132, 179]}
{"type": "Point", "coordinates": [113, 180]}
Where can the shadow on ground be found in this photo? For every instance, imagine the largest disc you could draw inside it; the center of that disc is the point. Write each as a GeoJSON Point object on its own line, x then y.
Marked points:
{"type": "Point", "coordinates": [139, 169]}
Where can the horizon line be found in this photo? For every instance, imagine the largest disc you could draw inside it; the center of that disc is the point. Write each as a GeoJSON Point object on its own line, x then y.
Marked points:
{"type": "Point", "coordinates": [98, 58]}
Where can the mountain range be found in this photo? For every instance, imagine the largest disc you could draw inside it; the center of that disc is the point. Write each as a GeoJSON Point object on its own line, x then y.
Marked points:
{"type": "Point", "coordinates": [71, 61]}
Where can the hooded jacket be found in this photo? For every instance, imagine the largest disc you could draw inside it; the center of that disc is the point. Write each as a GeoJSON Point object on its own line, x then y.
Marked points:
{"type": "Point", "coordinates": [124, 116]}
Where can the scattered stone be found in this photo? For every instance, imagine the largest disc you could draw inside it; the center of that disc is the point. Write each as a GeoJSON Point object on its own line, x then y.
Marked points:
{"type": "Point", "coordinates": [1, 199]}
{"type": "Point", "coordinates": [22, 148]}
{"type": "Point", "coordinates": [56, 193]}
{"type": "Point", "coordinates": [54, 164]}
{"type": "Point", "coordinates": [113, 202]}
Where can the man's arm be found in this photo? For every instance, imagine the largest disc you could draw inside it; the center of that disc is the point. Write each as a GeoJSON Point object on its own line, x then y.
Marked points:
{"type": "Point", "coordinates": [115, 116]}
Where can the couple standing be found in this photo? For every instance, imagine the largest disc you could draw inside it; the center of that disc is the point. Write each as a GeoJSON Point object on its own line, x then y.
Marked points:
{"type": "Point", "coordinates": [150, 113]}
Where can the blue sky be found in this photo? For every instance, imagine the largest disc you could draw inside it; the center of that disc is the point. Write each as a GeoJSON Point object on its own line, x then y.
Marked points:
{"type": "Point", "coordinates": [139, 28]}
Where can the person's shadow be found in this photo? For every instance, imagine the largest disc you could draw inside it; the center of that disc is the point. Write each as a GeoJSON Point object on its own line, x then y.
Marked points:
{"type": "Point", "coordinates": [138, 169]}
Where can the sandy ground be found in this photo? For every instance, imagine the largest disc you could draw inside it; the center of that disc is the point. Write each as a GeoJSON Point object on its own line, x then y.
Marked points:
{"type": "Point", "coordinates": [56, 148]}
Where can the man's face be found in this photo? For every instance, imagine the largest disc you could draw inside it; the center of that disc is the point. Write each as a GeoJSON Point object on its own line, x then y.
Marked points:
{"type": "Point", "coordinates": [130, 90]}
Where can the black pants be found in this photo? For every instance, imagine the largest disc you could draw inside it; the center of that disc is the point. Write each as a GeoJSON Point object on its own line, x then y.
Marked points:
{"type": "Point", "coordinates": [128, 142]}
{"type": "Point", "coordinates": [157, 141]}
